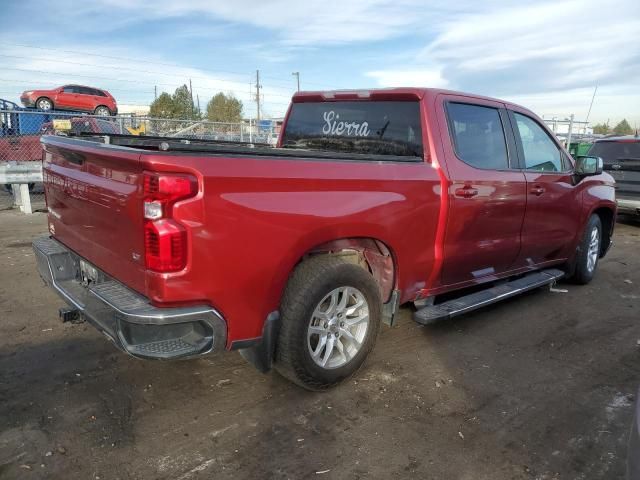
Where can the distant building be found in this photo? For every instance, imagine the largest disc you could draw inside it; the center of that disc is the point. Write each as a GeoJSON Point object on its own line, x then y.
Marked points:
{"type": "Point", "coordinates": [138, 110]}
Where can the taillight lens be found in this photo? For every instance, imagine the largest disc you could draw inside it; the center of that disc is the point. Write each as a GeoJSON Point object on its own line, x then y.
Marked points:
{"type": "Point", "coordinates": [165, 239]}
{"type": "Point", "coordinates": [167, 189]}
{"type": "Point", "coordinates": [165, 245]}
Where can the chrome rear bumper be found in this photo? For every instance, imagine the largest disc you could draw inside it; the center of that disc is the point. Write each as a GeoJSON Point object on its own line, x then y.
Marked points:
{"type": "Point", "coordinates": [126, 317]}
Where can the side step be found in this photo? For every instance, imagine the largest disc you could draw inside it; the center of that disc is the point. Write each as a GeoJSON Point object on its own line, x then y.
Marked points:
{"type": "Point", "coordinates": [473, 301]}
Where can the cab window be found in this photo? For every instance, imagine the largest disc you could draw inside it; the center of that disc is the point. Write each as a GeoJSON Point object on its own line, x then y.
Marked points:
{"type": "Point", "coordinates": [541, 154]}
{"type": "Point", "coordinates": [478, 135]}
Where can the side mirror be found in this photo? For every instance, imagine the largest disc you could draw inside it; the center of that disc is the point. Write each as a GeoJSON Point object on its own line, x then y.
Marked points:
{"type": "Point", "coordinates": [587, 166]}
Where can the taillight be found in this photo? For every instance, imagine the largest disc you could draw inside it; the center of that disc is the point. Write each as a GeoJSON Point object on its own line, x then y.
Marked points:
{"type": "Point", "coordinates": [165, 239]}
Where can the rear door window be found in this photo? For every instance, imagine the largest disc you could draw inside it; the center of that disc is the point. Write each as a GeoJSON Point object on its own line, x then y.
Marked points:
{"type": "Point", "coordinates": [368, 127]}
{"type": "Point", "coordinates": [478, 135]}
{"type": "Point", "coordinates": [541, 153]}
{"type": "Point", "coordinates": [615, 151]}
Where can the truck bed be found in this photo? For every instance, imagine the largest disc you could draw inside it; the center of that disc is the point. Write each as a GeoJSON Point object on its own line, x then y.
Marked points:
{"type": "Point", "coordinates": [190, 145]}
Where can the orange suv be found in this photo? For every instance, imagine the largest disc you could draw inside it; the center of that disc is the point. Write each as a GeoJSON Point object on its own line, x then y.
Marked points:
{"type": "Point", "coordinates": [72, 97]}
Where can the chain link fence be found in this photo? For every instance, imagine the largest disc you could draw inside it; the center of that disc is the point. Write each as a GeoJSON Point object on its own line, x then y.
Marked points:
{"type": "Point", "coordinates": [21, 129]}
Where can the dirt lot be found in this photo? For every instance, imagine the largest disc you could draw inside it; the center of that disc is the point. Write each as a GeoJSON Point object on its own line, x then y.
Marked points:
{"type": "Point", "coordinates": [538, 387]}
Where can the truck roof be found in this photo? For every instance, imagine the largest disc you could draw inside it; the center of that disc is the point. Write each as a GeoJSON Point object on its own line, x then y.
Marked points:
{"type": "Point", "coordinates": [620, 138]}
{"type": "Point", "coordinates": [397, 93]}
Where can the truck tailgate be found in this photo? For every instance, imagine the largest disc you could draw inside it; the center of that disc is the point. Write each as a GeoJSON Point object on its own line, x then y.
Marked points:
{"type": "Point", "coordinates": [95, 207]}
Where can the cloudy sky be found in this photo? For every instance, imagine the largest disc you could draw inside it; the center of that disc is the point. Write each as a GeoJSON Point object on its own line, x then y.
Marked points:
{"type": "Point", "coordinates": [548, 56]}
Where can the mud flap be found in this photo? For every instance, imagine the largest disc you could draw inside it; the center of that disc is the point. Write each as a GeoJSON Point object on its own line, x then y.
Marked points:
{"type": "Point", "coordinates": [261, 354]}
{"type": "Point", "coordinates": [390, 309]}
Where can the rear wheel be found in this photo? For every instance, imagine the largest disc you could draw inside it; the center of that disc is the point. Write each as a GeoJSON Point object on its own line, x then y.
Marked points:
{"type": "Point", "coordinates": [43, 103]}
{"type": "Point", "coordinates": [330, 315]}
{"type": "Point", "coordinates": [589, 251]}
{"type": "Point", "coordinates": [102, 111]}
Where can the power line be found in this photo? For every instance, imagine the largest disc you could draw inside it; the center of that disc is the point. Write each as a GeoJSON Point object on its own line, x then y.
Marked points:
{"type": "Point", "coordinates": [151, 72]}
{"type": "Point", "coordinates": [139, 82]}
{"type": "Point", "coordinates": [150, 62]}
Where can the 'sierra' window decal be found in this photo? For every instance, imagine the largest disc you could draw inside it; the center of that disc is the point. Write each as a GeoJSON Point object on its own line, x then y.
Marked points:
{"type": "Point", "coordinates": [368, 127]}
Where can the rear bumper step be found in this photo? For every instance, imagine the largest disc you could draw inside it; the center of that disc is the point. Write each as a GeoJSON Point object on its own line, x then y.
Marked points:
{"type": "Point", "coordinates": [473, 301]}
{"type": "Point", "coordinates": [126, 317]}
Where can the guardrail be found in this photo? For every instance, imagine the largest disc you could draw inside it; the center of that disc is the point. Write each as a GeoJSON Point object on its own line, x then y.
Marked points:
{"type": "Point", "coordinates": [20, 131]}
{"type": "Point", "coordinates": [19, 176]}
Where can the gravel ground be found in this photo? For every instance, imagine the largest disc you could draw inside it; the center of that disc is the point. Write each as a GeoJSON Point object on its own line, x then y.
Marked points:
{"type": "Point", "coordinates": [538, 387]}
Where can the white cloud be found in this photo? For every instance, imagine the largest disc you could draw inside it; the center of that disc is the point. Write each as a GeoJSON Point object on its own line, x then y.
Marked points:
{"type": "Point", "coordinates": [409, 78]}
{"type": "Point", "coordinates": [131, 81]}
{"type": "Point", "coordinates": [309, 22]}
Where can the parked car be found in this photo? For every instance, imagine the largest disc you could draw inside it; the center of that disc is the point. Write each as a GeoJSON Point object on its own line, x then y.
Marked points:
{"type": "Point", "coordinates": [178, 248]}
{"type": "Point", "coordinates": [633, 463]}
{"type": "Point", "coordinates": [71, 97]}
{"type": "Point", "coordinates": [621, 156]}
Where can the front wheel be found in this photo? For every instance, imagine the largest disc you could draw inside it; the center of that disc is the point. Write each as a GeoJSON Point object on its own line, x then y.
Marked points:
{"type": "Point", "coordinates": [330, 312]}
{"type": "Point", "coordinates": [589, 251]}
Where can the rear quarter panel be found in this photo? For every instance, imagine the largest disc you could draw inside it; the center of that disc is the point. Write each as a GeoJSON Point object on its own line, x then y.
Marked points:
{"type": "Point", "coordinates": [257, 218]}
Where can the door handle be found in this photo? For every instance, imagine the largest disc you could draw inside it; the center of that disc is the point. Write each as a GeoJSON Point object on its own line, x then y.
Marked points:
{"type": "Point", "coordinates": [538, 190]}
{"type": "Point", "coordinates": [466, 192]}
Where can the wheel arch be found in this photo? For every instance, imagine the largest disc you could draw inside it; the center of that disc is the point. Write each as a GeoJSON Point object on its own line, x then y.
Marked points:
{"type": "Point", "coordinates": [607, 219]}
{"type": "Point", "coordinates": [372, 254]}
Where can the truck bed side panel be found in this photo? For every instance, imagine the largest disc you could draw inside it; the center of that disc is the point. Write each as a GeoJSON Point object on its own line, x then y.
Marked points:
{"type": "Point", "coordinates": [259, 217]}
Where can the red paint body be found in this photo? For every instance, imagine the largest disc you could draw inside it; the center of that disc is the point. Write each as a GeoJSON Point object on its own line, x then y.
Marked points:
{"type": "Point", "coordinates": [72, 97]}
{"type": "Point", "coordinates": [254, 219]}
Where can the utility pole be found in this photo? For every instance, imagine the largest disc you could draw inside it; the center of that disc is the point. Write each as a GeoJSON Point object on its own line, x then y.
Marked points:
{"type": "Point", "coordinates": [297, 75]}
{"type": "Point", "coordinates": [155, 92]}
{"type": "Point", "coordinates": [258, 86]}
{"type": "Point", "coordinates": [591, 105]}
{"type": "Point", "coordinates": [198, 98]}
{"type": "Point", "coordinates": [191, 93]}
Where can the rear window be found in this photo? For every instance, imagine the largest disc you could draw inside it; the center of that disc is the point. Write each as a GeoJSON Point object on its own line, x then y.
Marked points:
{"type": "Point", "coordinates": [613, 151]}
{"type": "Point", "coordinates": [378, 128]}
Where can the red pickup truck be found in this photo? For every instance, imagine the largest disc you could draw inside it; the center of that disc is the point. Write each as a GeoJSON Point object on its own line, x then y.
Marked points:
{"type": "Point", "coordinates": [294, 255]}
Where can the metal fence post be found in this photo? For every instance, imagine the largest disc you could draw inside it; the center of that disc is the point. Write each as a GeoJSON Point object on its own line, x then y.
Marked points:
{"type": "Point", "coordinates": [569, 134]}
{"type": "Point", "coordinates": [25, 199]}
{"type": "Point", "coordinates": [15, 193]}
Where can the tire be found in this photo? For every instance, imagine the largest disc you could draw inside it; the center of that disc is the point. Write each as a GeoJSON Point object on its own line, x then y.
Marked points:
{"type": "Point", "coordinates": [44, 103]}
{"type": "Point", "coordinates": [102, 111]}
{"type": "Point", "coordinates": [588, 251]}
{"type": "Point", "coordinates": [317, 285]}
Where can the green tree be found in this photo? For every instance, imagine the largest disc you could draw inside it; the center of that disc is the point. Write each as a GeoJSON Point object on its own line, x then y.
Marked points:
{"type": "Point", "coordinates": [601, 128]}
{"type": "Point", "coordinates": [623, 128]}
{"type": "Point", "coordinates": [177, 106]}
{"type": "Point", "coordinates": [224, 108]}
{"type": "Point", "coordinates": [183, 104]}
{"type": "Point", "coordinates": [162, 107]}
